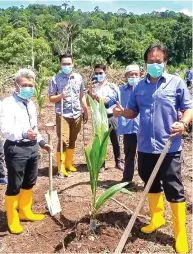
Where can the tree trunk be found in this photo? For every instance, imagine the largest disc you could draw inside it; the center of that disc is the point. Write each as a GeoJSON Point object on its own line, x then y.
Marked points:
{"type": "Point", "coordinates": [71, 45]}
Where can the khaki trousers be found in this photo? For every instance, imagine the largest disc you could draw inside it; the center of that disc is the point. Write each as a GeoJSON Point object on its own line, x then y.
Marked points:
{"type": "Point", "coordinates": [71, 128]}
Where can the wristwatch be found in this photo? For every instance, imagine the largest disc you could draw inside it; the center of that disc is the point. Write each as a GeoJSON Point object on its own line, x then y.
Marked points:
{"type": "Point", "coordinates": [185, 124]}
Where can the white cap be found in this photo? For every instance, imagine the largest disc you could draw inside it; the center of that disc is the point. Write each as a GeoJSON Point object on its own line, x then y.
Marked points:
{"type": "Point", "coordinates": [132, 67]}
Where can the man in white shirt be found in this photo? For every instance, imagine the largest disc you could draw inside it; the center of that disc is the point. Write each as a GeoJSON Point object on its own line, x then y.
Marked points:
{"type": "Point", "coordinates": [104, 90]}
{"type": "Point", "coordinates": [19, 126]}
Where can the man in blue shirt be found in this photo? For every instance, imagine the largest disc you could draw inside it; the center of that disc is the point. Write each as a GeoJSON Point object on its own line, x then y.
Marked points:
{"type": "Point", "coordinates": [189, 77]}
{"type": "Point", "coordinates": [158, 98]}
{"type": "Point", "coordinates": [69, 86]}
{"type": "Point", "coordinates": [128, 127]}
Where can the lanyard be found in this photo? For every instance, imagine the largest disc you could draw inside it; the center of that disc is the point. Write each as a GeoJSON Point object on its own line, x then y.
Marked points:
{"type": "Point", "coordinates": [25, 104]}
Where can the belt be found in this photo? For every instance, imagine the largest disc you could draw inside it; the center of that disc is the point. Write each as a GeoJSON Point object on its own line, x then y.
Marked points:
{"type": "Point", "coordinates": [22, 143]}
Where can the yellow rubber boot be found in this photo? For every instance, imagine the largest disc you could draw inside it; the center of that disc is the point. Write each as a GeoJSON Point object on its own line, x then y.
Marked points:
{"type": "Point", "coordinates": [63, 172]}
{"type": "Point", "coordinates": [25, 206]}
{"type": "Point", "coordinates": [11, 205]}
{"type": "Point", "coordinates": [179, 226]}
{"type": "Point", "coordinates": [156, 207]}
{"type": "Point", "coordinates": [69, 160]}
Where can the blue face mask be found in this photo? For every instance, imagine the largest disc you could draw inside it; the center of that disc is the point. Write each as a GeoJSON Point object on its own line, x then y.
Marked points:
{"type": "Point", "coordinates": [26, 92]}
{"type": "Point", "coordinates": [155, 70]}
{"type": "Point", "coordinates": [133, 81]}
{"type": "Point", "coordinates": [67, 69]}
{"type": "Point", "coordinates": [100, 77]}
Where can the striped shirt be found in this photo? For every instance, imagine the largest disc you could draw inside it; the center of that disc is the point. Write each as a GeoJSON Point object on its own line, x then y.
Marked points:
{"type": "Point", "coordinates": [72, 86]}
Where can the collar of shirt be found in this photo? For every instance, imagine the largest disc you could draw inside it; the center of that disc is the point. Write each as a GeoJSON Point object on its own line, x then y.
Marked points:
{"type": "Point", "coordinates": [127, 86]}
{"type": "Point", "coordinates": [65, 76]}
{"type": "Point", "coordinates": [164, 77]}
{"type": "Point", "coordinates": [19, 98]}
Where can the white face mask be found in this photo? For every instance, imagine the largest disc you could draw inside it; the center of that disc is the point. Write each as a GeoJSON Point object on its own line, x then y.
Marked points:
{"type": "Point", "coordinates": [133, 81]}
{"type": "Point", "coordinates": [66, 69]}
{"type": "Point", "coordinates": [25, 92]}
{"type": "Point", "coordinates": [100, 77]}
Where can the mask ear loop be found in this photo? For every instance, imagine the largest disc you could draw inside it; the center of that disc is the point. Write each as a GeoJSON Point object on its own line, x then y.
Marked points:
{"type": "Point", "coordinates": [18, 87]}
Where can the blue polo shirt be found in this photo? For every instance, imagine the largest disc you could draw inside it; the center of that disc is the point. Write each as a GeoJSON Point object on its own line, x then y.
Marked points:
{"type": "Point", "coordinates": [158, 105]}
{"type": "Point", "coordinates": [189, 75]}
{"type": "Point", "coordinates": [125, 125]}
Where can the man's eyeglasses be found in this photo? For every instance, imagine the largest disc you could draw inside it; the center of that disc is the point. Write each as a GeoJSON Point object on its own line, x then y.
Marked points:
{"type": "Point", "coordinates": [98, 73]}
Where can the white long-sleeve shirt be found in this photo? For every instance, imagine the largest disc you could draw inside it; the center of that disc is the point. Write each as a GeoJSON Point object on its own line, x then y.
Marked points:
{"type": "Point", "coordinates": [16, 118]}
{"type": "Point", "coordinates": [105, 91]}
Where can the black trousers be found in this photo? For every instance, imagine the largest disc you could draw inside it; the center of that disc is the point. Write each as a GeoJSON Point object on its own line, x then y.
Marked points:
{"type": "Point", "coordinates": [168, 177]}
{"type": "Point", "coordinates": [130, 144]}
{"type": "Point", "coordinates": [2, 172]}
{"type": "Point", "coordinates": [114, 138]}
{"type": "Point", "coordinates": [22, 165]}
{"type": "Point", "coordinates": [189, 83]}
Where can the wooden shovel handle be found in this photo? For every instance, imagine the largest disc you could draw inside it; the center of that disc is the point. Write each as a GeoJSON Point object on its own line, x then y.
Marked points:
{"type": "Point", "coordinates": [50, 164]}
{"type": "Point", "coordinates": [61, 130]}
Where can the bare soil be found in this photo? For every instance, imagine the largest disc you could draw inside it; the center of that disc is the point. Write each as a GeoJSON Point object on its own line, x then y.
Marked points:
{"type": "Point", "coordinates": [69, 231]}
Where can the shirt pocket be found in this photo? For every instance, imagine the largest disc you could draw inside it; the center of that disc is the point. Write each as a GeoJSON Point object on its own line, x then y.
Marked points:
{"type": "Point", "coordinates": [168, 95]}
{"type": "Point", "coordinates": [143, 99]}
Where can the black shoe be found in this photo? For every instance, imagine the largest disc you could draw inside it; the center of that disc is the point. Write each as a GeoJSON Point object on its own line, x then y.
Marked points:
{"type": "Point", "coordinates": [119, 165]}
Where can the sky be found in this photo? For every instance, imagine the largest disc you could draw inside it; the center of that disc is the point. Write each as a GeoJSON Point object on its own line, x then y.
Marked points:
{"type": "Point", "coordinates": [137, 7]}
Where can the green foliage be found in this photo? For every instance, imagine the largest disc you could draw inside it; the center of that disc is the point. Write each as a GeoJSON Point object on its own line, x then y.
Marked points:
{"type": "Point", "coordinates": [113, 38]}
{"type": "Point", "coordinates": [40, 85]}
{"type": "Point", "coordinates": [106, 195]}
{"type": "Point", "coordinates": [182, 67]}
{"type": "Point", "coordinates": [171, 69]}
{"type": "Point", "coordinates": [95, 44]}
{"type": "Point", "coordinates": [95, 155]}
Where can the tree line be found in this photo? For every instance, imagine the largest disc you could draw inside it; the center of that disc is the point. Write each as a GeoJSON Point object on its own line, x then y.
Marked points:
{"type": "Point", "coordinates": [35, 35]}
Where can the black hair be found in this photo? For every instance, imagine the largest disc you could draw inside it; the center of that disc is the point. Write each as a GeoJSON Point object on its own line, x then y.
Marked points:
{"type": "Point", "coordinates": [158, 47]}
{"type": "Point", "coordinates": [100, 66]}
{"type": "Point", "coordinates": [66, 55]}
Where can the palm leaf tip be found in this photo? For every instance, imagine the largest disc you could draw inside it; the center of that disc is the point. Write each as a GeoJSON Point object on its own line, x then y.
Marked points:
{"type": "Point", "coordinates": [107, 194]}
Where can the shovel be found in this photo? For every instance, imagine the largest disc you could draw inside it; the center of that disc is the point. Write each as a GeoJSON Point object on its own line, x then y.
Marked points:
{"type": "Point", "coordinates": [129, 227]}
{"type": "Point", "coordinates": [61, 139]}
{"type": "Point", "coordinates": [51, 196]}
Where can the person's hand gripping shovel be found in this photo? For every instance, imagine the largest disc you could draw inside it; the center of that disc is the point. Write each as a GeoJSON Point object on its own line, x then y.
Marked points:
{"type": "Point", "coordinates": [51, 196]}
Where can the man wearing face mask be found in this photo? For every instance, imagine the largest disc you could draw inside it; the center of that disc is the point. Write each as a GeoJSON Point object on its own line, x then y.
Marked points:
{"type": "Point", "coordinates": [69, 86]}
{"type": "Point", "coordinates": [103, 89]}
{"type": "Point", "coordinates": [158, 98]}
{"type": "Point", "coordinates": [128, 127]}
{"type": "Point", "coordinates": [19, 126]}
